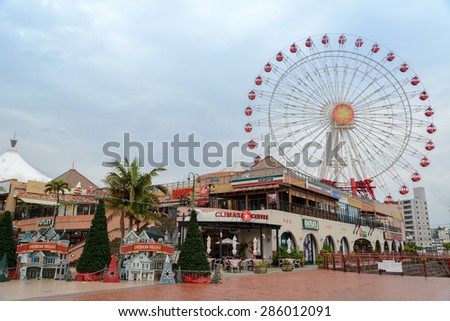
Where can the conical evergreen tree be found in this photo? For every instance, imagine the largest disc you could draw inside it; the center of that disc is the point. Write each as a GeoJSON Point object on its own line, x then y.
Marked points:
{"type": "Point", "coordinates": [7, 243]}
{"type": "Point", "coordinates": [96, 253]}
{"type": "Point", "coordinates": [4, 272]}
{"type": "Point", "coordinates": [193, 253]}
{"type": "Point", "coordinates": [68, 276]}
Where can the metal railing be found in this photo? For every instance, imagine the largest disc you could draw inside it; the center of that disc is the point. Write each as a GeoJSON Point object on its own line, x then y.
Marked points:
{"type": "Point", "coordinates": [400, 264]}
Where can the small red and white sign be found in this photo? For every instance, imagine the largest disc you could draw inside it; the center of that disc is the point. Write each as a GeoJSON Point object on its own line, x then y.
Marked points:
{"type": "Point", "coordinates": [246, 215]}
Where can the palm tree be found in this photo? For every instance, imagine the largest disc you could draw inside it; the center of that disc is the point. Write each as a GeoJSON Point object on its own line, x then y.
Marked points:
{"type": "Point", "coordinates": [56, 187]}
{"type": "Point", "coordinates": [131, 193]}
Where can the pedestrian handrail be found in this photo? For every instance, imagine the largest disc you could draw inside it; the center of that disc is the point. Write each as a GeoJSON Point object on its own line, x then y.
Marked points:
{"type": "Point", "coordinates": [403, 264]}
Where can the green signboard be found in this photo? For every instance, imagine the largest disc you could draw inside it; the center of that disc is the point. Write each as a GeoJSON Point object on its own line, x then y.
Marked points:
{"type": "Point", "coordinates": [310, 224]}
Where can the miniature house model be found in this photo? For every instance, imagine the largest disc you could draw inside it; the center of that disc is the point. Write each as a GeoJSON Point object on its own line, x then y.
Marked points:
{"type": "Point", "coordinates": [143, 258]}
{"type": "Point", "coordinates": [43, 254]}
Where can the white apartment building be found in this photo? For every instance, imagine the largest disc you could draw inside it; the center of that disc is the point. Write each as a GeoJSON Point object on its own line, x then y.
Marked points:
{"type": "Point", "coordinates": [417, 223]}
{"type": "Point", "coordinates": [440, 236]}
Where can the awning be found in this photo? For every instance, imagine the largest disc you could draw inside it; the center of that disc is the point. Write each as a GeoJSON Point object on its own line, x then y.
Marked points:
{"type": "Point", "coordinates": [37, 201]}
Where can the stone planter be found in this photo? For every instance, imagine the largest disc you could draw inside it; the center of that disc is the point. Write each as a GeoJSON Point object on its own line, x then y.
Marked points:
{"type": "Point", "coordinates": [260, 269]}
{"type": "Point", "coordinates": [287, 268]}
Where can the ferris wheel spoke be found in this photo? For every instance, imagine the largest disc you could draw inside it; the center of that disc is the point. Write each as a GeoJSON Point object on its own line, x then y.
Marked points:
{"type": "Point", "coordinates": [379, 159]}
{"type": "Point", "coordinates": [379, 132]}
{"type": "Point", "coordinates": [374, 85]}
{"type": "Point", "coordinates": [311, 138]}
{"type": "Point", "coordinates": [295, 89]}
{"type": "Point", "coordinates": [299, 100]}
{"type": "Point", "coordinates": [312, 69]}
{"type": "Point", "coordinates": [384, 141]}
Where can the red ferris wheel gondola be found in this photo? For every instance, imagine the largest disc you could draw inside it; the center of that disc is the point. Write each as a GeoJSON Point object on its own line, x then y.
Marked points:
{"type": "Point", "coordinates": [248, 111]}
{"type": "Point", "coordinates": [404, 190]}
{"type": "Point", "coordinates": [359, 42]}
{"type": "Point", "coordinates": [404, 68]}
{"type": "Point", "coordinates": [389, 200]}
{"type": "Point", "coordinates": [268, 67]}
{"type": "Point", "coordinates": [342, 39]}
{"type": "Point", "coordinates": [430, 146]}
{"type": "Point", "coordinates": [293, 48]}
{"type": "Point", "coordinates": [308, 42]}
{"type": "Point", "coordinates": [390, 56]}
{"type": "Point", "coordinates": [325, 40]}
{"type": "Point", "coordinates": [429, 112]}
{"type": "Point", "coordinates": [280, 56]}
{"type": "Point", "coordinates": [415, 81]}
{"type": "Point", "coordinates": [251, 95]}
{"type": "Point", "coordinates": [258, 81]}
{"type": "Point", "coordinates": [251, 144]}
{"type": "Point", "coordinates": [424, 95]}
{"type": "Point", "coordinates": [415, 177]}
{"type": "Point", "coordinates": [431, 128]}
{"type": "Point", "coordinates": [375, 48]}
{"type": "Point", "coordinates": [248, 127]}
{"type": "Point", "coordinates": [424, 162]}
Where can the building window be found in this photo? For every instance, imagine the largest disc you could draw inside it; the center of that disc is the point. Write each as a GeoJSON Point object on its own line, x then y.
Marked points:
{"type": "Point", "coordinates": [35, 259]}
{"type": "Point", "coordinates": [49, 260]}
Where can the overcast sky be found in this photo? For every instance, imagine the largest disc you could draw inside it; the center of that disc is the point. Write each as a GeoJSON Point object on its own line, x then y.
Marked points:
{"type": "Point", "coordinates": [75, 75]}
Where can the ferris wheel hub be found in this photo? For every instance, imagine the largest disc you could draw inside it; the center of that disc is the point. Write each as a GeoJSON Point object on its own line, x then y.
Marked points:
{"type": "Point", "coordinates": [343, 114]}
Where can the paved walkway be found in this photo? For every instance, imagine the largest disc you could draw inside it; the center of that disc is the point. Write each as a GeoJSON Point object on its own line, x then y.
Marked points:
{"type": "Point", "coordinates": [303, 284]}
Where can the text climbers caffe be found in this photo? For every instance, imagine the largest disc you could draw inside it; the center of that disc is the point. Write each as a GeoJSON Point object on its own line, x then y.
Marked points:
{"type": "Point", "coordinates": [245, 227]}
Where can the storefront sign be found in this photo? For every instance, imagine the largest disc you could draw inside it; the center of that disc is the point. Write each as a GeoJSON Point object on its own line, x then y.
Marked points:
{"type": "Point", "coordinates": [177, 193]}
{"type": "Point", "coordinates": [393, 236]}
{"type": "Point", "coordinates": [264, 180]}
{"type": "Point", "coordinates": [47, 222]}
{"type": "Point", "coordinates": [231, 214]}
{"type": "Point", "coordinates": [316, 187]}
{"type": "Point", "coordinates": [324, 189]}
{"type": "Point", "coordinates": [310, 225]}
{"type": "Point", "coordinates": [42, 246]}
{"type": "Point", "coordinates": [147, 247]}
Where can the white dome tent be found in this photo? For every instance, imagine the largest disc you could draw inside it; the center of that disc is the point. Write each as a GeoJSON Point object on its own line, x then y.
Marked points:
{"type": "Point", "coordinates": [13, 166]}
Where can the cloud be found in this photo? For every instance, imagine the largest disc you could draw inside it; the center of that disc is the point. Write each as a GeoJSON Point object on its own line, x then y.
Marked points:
{"type": "Point", "coordinates": [78, 74]}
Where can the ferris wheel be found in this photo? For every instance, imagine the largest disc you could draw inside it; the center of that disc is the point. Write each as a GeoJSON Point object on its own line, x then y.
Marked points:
{"type": "Point", "coordinates": [346, 111]}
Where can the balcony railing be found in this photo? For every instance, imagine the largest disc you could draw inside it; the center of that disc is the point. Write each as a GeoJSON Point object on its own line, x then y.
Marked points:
{"type": "Point", "coordinates": [262, 204]}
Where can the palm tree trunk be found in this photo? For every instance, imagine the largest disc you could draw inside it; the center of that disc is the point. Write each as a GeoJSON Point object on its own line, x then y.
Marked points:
{"type": "Point", "coordinates": [55, 213]}
{"type": "Point", "coordinates": [122, 227]}
{"type": "Point", "coordinates": [130, 224]}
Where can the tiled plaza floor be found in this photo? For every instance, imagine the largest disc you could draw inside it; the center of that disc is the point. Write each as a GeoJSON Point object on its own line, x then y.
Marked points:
{"type": "Point", "coordinates": [303, 284]}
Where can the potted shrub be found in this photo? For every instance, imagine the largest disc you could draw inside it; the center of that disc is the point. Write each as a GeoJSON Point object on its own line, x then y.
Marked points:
{"type": "Point", "coordinates": [260, 267]}
{"type": "Point", "coordinates": [286, 266]}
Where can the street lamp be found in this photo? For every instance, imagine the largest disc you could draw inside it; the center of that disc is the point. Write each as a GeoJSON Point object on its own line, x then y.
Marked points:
{"type": "Point", "coordinates": [194, 176]}
{"type": "Point", "coordinates": [210, 187]}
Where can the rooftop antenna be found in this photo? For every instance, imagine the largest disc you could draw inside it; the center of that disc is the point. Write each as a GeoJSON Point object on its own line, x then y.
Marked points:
{"type": "Point", "coordinates": [73, 164]}
{"type": "Point", "coordinates": [13, 141]}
